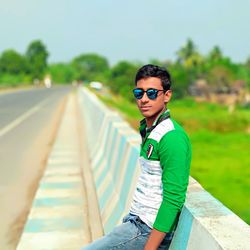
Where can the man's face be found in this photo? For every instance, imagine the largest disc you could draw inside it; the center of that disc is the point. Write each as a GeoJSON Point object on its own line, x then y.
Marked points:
{"type": "Point", "coordinates": [150, 109]}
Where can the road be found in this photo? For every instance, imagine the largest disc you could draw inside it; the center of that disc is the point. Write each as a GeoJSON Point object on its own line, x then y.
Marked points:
{"type": "Point", "coordinates": [28, 123]}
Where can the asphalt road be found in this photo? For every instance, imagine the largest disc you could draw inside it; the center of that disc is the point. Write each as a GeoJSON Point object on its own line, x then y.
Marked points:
{"type": "Point", "coordinates": [28, 125]}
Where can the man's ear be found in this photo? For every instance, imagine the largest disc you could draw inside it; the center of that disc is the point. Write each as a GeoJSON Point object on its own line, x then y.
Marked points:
{"type": "Point", "coordinates": [167, 96]}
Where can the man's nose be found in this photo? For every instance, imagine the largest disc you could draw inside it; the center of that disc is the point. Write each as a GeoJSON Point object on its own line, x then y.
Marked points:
{"type": "Point", "coordinates": [144, 97]}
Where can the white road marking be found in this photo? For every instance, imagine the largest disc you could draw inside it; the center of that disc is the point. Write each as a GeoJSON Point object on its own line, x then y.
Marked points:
{"type": "Point", "coordinates": [23, 117]}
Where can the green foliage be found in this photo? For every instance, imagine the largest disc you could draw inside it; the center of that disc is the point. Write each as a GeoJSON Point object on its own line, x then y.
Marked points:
{"type": "Point", "coordinates": [187, 51]}
{"type": "Point", "coordinates": [215, 55]}
{"type": "Point", "coordinates": [220, 76]}
{"type": "Point", "coordinates": [89, 66]}
{"type": "Point", "coordinates": [122, 79]}
{"type": "Point", "coordinates": [243, 73]}
{"type": "Point", "coordinates": [180, 80]}
{"type": "Point", "coordinates": [221, 164]}
{"type": "Point", "coordinates": [19, 69]}
{"type": "Point", "coordinates": [8, 79]}
{"type": "Point", "coordinates": [37, 56]}
{"type": "Point", "coordinates": [12, 62]}
{"type": "Point", "coordinates": [217, 70]}
{"type": "Point", "coordinates": [62, 72]}
{"type": "Point", "coordinates": [210, 116]}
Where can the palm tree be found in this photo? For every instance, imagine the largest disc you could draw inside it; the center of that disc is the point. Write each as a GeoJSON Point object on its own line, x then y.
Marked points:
{"type": "Point", "coordinates": [187, 51]}
{"type": "Point", "coordinates": [215, 54]}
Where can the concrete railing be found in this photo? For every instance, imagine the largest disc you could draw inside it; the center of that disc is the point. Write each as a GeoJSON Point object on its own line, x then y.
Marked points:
{"type": "Point", "coordinates": [205, 223]}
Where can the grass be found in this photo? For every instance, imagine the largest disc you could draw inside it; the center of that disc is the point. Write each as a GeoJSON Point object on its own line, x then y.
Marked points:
{"type": "Point", "coordinates": [220, 142]}
{"type": "Point", "coordinates": [221, 164]}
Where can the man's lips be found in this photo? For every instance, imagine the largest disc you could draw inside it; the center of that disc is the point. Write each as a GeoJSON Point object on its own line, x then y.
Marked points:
{"type": "Point", "coordinates": [145, 108]}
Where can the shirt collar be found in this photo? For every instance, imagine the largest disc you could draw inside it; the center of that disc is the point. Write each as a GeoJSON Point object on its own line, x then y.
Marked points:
{"type": "Point", "coordinates": [143, 124]}
{"type": "Point", "coordinates": [158, 118]}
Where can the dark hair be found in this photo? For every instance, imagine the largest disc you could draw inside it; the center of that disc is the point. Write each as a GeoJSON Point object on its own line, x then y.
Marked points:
{"type": "Point", "coordinates": [151, 70]}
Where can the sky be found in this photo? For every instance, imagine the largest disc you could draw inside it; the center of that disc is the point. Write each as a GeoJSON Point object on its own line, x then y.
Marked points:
{"type": "Point", "coordinates": [133, 30]}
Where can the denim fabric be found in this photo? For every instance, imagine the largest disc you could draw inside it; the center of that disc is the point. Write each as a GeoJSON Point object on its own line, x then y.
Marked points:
{"type": "Point", "coordinates": [131, 234]}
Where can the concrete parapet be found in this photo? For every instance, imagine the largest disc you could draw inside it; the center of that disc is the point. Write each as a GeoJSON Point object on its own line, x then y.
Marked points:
{"type": "Point", "coordinates": [205, 223]}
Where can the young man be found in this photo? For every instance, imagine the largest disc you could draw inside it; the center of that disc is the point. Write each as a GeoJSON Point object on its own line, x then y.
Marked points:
{"type": "Point", "coordinates": [165, 162]}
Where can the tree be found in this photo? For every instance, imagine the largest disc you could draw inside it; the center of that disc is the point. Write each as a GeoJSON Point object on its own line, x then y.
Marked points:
{"type": "Point", "coordinates": [247, 69]}
{"type": "Point", "coordinates": [122, 79]}
{"type": "Point", "coordinates": [180, 80]}
{"type": "Point", "coordinates": [89, 66]}
{"type": "Point", "coordinates": [221, 77]}
{"type": "Point", "coordinates": [62, 73]}
{"type": "Point", "coordinates": [191, 61]}
{"type": "Point", "coordinates": [215, 54]}
{"type": "Point", "coordinates": [248, 63]}
{"type": "Point", "coordinates": [12, 62]}
{"type": "Point", "coordinates": [186, 51]}
{"type": "Point", "coordinates": [37, 56]}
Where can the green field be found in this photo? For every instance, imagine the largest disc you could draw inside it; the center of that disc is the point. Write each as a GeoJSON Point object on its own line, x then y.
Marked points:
{"type": "Point", "coordinates": [221, 147]}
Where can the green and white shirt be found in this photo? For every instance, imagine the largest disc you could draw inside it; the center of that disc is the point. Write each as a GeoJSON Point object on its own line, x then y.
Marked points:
{"type": "Point", "coordinates": [165, 158]}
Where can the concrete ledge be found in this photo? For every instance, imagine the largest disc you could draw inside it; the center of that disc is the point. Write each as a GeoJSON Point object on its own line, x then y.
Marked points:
{"type": "Point", "coordinates": [205, 223]}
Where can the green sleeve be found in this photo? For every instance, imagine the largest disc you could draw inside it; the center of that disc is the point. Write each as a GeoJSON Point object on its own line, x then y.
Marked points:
{"type": "Point", "coordinates": [175, 156]}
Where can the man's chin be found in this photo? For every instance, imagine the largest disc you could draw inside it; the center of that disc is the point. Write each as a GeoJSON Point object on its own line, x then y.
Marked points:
{"type": "Point", "coordinates": [146, 114]}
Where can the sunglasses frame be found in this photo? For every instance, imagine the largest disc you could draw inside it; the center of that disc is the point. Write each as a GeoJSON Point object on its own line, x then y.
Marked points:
{"type": "Point", "coordinates": [146, 91]}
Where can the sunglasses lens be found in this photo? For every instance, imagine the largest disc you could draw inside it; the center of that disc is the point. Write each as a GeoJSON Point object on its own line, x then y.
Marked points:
{"type": "Point", "coordinates": [152, 93]}
{"type": "Point", "coordinates": [138, 93]}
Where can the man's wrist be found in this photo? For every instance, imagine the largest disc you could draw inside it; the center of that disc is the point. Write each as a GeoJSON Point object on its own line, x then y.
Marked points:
{"type": "Point", "coordinates": [154, 240]}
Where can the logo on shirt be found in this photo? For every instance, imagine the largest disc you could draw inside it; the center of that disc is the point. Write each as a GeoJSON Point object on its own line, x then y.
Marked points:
{"type": "Point", "coordinates": [150, 150]}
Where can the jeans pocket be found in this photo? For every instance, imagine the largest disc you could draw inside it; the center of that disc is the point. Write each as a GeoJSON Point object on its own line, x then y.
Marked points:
{"type": "Point", "coordinates": [135, 219]}
{"type": "Point", "coordinates": [128, 217]}
{"type": "Point", "coordinates": [144, 228]}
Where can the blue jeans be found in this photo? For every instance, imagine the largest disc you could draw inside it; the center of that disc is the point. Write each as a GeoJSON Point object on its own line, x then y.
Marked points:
{"type": "Point", "coordinates": [131, 234]}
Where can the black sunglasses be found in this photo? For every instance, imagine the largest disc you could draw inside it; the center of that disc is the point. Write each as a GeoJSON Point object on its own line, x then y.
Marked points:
{"type": "Point", "coordinates": [151, 93]}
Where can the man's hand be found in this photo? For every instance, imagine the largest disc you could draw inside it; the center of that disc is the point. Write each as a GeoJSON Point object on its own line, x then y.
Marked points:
{"type": "Point", "coordinates": [154, 240]}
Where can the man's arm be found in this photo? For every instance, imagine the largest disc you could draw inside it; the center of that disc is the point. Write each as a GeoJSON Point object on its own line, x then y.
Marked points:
{"type": "Point", "coordinates": [154, 240]}
{"type": "Point", "coordinates": [175, 157]}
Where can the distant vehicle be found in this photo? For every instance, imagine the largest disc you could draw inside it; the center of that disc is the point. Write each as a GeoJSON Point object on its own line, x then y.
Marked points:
{"type": "Point", "coordinates": [96, 85]}
{"type": "Point", "coordinates": [47, 82]}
